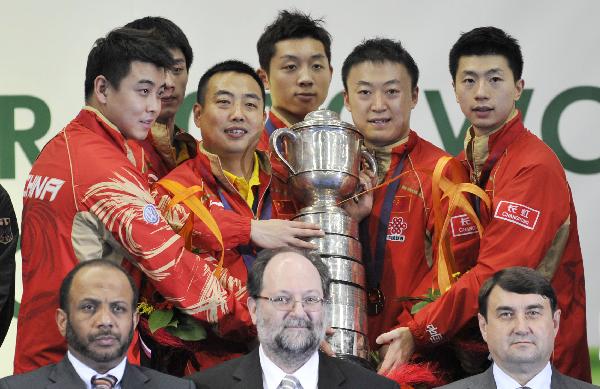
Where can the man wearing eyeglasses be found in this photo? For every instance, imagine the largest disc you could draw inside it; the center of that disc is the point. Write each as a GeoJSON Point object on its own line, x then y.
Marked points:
{"type": "Point", "coordinates": [288, 292]}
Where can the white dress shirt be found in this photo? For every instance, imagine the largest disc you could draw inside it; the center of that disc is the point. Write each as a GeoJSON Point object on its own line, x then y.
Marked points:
{"type": "Point", "coordinates": [86, 373]}
{"type": "Point", "coordinates": [307, 374]}
{"type": "Point", "coordinates": [540, 381]}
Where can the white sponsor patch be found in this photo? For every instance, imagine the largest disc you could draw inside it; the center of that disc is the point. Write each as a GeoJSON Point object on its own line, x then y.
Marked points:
{"type": "Point", "coordinates": [462, 225]}
{"type": "Point", "coordinates": [151, 214]}
{"type": "Point", "coordinates": [434, 335]}
{"type": "Point", "coordinates": [518, 214]}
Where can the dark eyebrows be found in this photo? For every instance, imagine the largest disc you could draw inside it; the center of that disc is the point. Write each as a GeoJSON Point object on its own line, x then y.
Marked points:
{"type": "Point", "coordinates": [223, 92]}
{"type": "Point", "coordinates": [252, 96]}
{"type": "Point", "coordinates": [487, 73]}
{"type": "Point", "coordinates": [387, 83]}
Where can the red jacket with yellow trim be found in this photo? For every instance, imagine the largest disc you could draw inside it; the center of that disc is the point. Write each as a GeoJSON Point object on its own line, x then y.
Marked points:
{"type": "Point", "coordinates": [205, 170]}
{"type": "Point", "coordinates": [86, 197]}
{"type": "Point", "coordinates": [532, 222]}
{"type": "Point", "coordinates": [408, 258]}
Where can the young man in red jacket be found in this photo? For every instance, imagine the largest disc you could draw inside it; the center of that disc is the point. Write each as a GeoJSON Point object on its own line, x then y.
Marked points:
{"type": "Point", "coordinates": [232, 180]}
{"type": "Point", "coordinates": [380, 90]}
{"type": "Point", "coordinates": [87, 197]}
{"type": "Point", "coordinates": [167, 145]}
{"type": "Point", "coordinates": [531, 221]}
{"type": "Point", "coordinates": [295, 65]}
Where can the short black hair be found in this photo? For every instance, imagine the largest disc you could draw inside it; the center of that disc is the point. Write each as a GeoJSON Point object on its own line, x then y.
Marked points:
{"type": "Point", "coordinates": [112, 55]}
{"type": "Point", "coordinates": [379, 50]}
{"type": "Point", "coordinates": [255, 277]}
{"type": "Point", "coordinates": [520, 280]}
{"type": "Point", "coordinates": [65, 287]}
{"type": "Point", "coordinates": [171, 34]}
{"type": "Point", "coordinates": [231, 65]}
{"type": "Point", "coordinates": [487, 41]}
{"type": "Point", "coordinates": [290, 25]}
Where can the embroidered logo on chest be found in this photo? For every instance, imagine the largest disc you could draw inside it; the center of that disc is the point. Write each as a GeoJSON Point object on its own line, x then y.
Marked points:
{"type": "Point", "coordinates": [395, 230]}
{"type": "Point", "coordinates": [462, 225]}
{"type": "Point", "coordinates": [518, 214]}
{"type": "Point", "coordinates": [151, 214]}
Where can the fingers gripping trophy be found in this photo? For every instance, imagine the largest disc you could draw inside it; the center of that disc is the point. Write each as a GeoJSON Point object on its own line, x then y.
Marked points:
{"type": "Point", "coordinates": [324, 156]}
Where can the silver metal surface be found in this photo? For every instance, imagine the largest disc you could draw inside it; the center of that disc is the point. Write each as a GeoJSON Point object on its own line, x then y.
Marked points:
{"type": "Point", "coordinates": [333, 221]}
{"type": "Point", "coordinates": [350, 343]}
{"type": "Point", "coordinates": [343, 269]}
{"type": "Point", "coordinates": [338, 245]}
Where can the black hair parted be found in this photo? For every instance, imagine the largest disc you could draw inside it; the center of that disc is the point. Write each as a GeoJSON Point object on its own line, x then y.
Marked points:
{"type": "Point", "coordinates": [231, 65]}
{"type": "Point", "coordinates": [379, 50]}
{"type": "Point", "coordinates": [65, 287]}
{"type": "Point", "coordinates": [291, 25]}
{"type": "Point", "coordinates": [172, 35]}
{"type": "Point", "coordinates": [487, 41]}
{"type": "Point", "coordinates": [520, 280]}
{"type": "Point", "coordinates": [112, 55]}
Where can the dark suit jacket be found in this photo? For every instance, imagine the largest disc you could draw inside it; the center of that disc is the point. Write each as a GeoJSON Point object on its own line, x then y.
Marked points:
{"type": "Point", "coordinates": [245, 373]}
{"type": "Point", "coordinates": [63, 376]}
{"type": "Point", "coordinates": [485, 380]}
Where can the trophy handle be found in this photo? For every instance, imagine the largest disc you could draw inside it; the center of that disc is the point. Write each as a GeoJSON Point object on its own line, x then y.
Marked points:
{"type": "Point", "coordinates": [370, 160]}
{"type": "Point", "coordinates": [274, 142]}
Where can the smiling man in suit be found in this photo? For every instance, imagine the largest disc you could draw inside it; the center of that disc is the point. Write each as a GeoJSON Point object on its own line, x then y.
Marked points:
{"type": "Point", "coordinates": [97, 316]}
{"type": "Point", "coordinates": [519, 319]}
{"type": "Point", "coordinates": [289, 290]}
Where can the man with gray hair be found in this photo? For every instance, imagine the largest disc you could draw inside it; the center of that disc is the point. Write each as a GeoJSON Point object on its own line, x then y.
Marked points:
{"type": "Point", "coordinates": [519, 319]}
{"type": "Point", "coordinates": [289, 292]}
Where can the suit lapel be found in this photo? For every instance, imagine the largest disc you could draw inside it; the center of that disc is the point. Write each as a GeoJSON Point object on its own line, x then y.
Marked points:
{"type": "Point", "coordinates": [133, 377]}
{"type": "Point", "coordinates": [330, 375]}
{"type": "Point", "coordinates": [487, 379]}
{"type": "Point", "coordinates": [248, 374]}
{"type": "Point", "coordinates": [64, 376]}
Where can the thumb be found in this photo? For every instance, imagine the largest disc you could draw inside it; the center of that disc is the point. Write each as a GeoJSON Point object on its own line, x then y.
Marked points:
{"type": "Point", "coordinates": [386, 337]}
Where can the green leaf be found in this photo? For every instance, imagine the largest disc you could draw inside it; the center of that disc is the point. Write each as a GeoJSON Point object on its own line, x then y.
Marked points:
{"type": "Point", "coordinates": [418, 306]}
{"type": "Point", "coordinates": [188, 329]}
{"type": "Point", "coordinates": [160, 318]}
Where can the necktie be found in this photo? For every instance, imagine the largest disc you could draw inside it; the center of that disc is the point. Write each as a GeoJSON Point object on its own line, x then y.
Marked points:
{"type": "Point", "coordinates": [523, 387]}
{"type": "Point", "coordinates": [104, 382]}
{"type": "Point", "coordinates": [289, 382]}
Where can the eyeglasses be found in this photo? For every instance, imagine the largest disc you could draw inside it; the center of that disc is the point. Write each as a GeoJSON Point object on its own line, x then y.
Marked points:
{"type": "Point", "coordinates": [284, 303]}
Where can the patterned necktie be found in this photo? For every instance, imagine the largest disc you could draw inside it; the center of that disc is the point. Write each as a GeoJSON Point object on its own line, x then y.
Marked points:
{"type": "Point", "coordinates": [289, 382]}
{"type": "Point", "coordinates": [104, 382]}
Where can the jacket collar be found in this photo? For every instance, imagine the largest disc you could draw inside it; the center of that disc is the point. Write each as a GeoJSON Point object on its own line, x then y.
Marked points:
{"type": "Point", "coordinates": [385, 155]}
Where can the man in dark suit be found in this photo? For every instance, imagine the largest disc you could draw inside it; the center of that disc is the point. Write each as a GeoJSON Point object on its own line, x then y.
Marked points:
{"type": "Point", "coordinates": [97, 316]}
{"type": "Point", "coordinates": [288, 292]}
{"type": "Point", "coordinates": [519, 319]}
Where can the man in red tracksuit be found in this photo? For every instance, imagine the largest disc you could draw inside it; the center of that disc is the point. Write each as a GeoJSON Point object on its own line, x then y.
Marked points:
{"type": "Point", "coordinates": [168, 145]}
{"type": "Point", "coordinates": [531, 221]}
{"type": "Point", "coordinates": [87, 197]}
{"type": "Point", "coordinates": [295, 65]}
{"type": "Point", "coordinates": [232, 181]}
{"type": "Point", "coordinates": [380, 90]}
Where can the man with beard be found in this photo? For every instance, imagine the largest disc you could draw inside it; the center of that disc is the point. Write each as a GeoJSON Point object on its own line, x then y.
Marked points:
{"type": "Point", "coordinates": [289, 292]}
{"type": "Point", "coordinates": [97, 316]}
{"type": "Point", "coordinates": [519, 319]}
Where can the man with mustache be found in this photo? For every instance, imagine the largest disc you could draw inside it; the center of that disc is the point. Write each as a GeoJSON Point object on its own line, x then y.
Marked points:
{"type": "Point", "coordinates": [519, 319]}
{"type": "Point", "coordinates": [289, 290]}
{"type": "Point", "coordinates": [97, 316]}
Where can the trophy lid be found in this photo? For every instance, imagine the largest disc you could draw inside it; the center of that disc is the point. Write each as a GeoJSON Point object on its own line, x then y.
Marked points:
{"type": "Point", "coordinates": [323, 117]}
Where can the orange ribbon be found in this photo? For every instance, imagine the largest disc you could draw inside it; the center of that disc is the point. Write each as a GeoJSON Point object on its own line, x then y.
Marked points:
{"type": "Point", "coordinates": [454, 189]}
{"type": "Point", "coordinates": [187, 196]}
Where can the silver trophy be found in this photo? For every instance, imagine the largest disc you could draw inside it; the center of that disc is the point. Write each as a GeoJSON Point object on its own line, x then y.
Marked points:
{"type": "Point", "coordinates": [324, 156]}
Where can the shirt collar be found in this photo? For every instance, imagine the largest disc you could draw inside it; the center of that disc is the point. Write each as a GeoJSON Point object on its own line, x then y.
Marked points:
{"type": "Point", "coordinates": [540, 381]}
{"type": "Point", "coordinates": [307, 374]}
{"type": "Point", "coordinates": [86, 373]}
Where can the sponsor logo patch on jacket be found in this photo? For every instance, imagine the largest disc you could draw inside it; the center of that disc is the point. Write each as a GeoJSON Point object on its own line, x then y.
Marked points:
{"type": "Point", "coordinates": [151, 214]}
{"type": "Point", "coordinates": [396, 227]}
{"type": "Point", "coordinates": [6, 235]}
{"type": "Point", "coordinates": [462, 225]}
{"type": "Point", "coordinates": [518, 214]}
